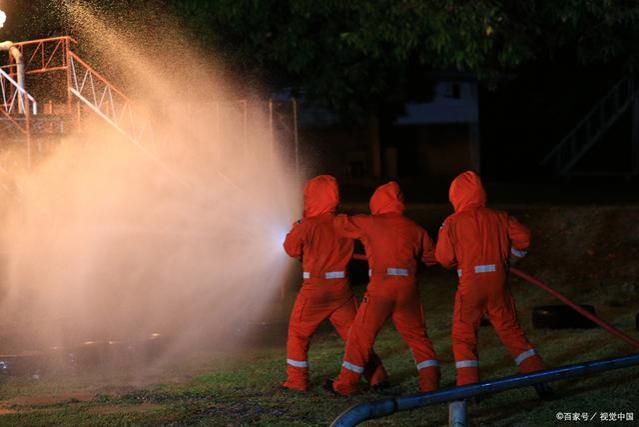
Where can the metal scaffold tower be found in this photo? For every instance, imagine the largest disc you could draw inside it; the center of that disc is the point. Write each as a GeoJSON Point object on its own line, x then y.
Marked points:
{"type": "Point", "coordinates": [70, 88]}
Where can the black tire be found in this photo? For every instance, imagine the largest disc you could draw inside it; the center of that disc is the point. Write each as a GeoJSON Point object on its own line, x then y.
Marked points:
{"type": "Point", "coordinates": [561, 317]}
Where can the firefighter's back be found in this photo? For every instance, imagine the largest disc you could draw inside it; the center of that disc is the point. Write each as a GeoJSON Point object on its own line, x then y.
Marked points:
{"type": "Point", "coordinates": [481, 243]}
{"type": "Point", "coordinates": [324, 250]}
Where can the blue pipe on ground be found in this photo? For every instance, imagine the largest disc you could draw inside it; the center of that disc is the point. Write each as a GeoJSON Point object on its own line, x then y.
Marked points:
{"type": "Point", "coordinates": [384, 407]}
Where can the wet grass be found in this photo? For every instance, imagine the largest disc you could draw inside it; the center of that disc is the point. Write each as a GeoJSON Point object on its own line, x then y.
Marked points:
{"type": "Point", "coordinates": [243, 389]}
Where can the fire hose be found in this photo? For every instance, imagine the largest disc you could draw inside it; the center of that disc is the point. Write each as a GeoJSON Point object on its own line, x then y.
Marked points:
{"type": "Point", "coordinates": [608, 327]}
{"type": "Point", "coordinates": [540, 284]}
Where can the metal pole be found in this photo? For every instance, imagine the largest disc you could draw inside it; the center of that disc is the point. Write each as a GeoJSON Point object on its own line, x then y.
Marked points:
{"type": "Point", "coordinates": [635, 128]}
{"type": "Point", "coordinates": [67, 46]}
{"type": "Point", "coordinates": [245, 125]}
{"type": "Point", "coordinates": [296, 138]}
{"type": "Point", "coordinates": [27, 118]}
{"type": "Point", "coordinates": [218, 131]}
{"type": "Point", "coordinates": [458, 414]}
{"type": "Point", "coordinates": [473, 130]}
{"type": "Point", "coordinates": [270, 128]}
{"type": "Point", "coordinates": [385, 407]}
{"type": "Point", "coordinates": [535, 281]}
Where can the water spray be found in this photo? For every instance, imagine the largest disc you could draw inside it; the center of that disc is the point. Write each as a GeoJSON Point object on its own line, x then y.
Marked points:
{"type": "Point", "coordinates": [124, 249]}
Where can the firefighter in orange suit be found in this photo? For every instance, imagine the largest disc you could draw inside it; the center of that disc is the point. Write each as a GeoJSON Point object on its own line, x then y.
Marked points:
{"type": "Point", "coordinates": [394, 244]}
{"type": "Point", "coordinates": [325, 292]}
{"type": "Point", "coordinates": [479, 241]}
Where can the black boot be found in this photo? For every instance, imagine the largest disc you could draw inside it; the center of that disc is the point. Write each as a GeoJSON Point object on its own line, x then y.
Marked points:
{"type": "Point", "coordinates": [381, 386]}
{"type": "Point", "coordinates": [328, 386]}
{"type": "Point", "coordinates": [544, 391]}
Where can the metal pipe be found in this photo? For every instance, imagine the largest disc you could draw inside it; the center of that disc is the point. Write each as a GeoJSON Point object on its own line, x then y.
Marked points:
{"type": "Point", "coordinates": [296, 138]}
{"type": "Point", "coordinates": [457, 414]}
{"type": "Point", "coordinates": [537, 282]}
{"type": "Point", "coordinates": [384, 407]}
{"type": "Point", "coordinates": [27, 119]}
{"type": "Point", "coordinates": [18, 58]}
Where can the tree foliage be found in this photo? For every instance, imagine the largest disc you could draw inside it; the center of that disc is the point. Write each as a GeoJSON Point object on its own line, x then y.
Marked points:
{"type": "Point", "coordinates": [363, 53]}
{"type": "Point", "coordinates": [347, 54]}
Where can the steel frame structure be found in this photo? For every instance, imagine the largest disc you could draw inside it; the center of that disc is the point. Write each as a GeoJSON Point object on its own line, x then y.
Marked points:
{"type": "Point", "coordinates": [106, 100]}
{"type": "Point", "coordinates": [85, 86]}
{"type": "Point", "coordinates": [44, 55]}
{"type": "Point", "coordinates": [82, 81]}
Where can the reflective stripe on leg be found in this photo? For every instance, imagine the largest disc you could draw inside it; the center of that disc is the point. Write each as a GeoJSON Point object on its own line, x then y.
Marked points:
{"type": "Point", "coordinates": [297, 363]}
{"type": "Point", "coordinates": [427, 363]}
{"type": "Point", "coordinates": [467, 364]}
{"type": "Point", "coordinates": [352, 367]}
{"type": "Point", "coordinates": [525, 355]}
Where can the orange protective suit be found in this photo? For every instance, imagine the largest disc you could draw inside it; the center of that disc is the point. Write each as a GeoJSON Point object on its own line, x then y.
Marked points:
{"type": "Point", "coordinates": [393, 246]}
{"type": "Point", "coordinates": [325, 292]}
{"type": "Point", "coordinates": [479, 241]}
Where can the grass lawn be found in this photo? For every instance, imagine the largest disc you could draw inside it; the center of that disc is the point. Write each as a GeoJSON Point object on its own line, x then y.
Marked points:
{"type": "Point", "coordinates": [588, 253]}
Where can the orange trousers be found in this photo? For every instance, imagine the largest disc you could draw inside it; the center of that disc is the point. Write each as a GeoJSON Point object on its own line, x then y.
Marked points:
{"type": "Point", "coordinates": [308, 312]}
{"type": "Point", "coordinates": [398, 299]}
{"type": "Point", "coordinates": [488, 296]}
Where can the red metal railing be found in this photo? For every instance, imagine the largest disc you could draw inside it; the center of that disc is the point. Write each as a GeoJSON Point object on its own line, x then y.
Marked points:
{"type": "Point", "coordinates": [106, 100]}
{"type": "Point", "coordinates": [43, 55]}
{"type": "Point", "coordinates": [114, 107]}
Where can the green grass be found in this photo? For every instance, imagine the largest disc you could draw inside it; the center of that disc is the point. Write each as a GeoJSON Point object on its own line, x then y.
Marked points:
{"type": "Point", "coordinates": [243, 388]}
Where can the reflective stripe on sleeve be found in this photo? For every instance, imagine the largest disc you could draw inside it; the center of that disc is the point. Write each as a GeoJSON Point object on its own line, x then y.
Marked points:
{"type": "Point", "coordinates": [518, 253]}
{"type": "Point", "coordinates": [467, 364]}
{"type": "Point", "coordinates": [354, 368]}
{"type": "Point", "coordinates": [297, 363]}
{"type": "Point", "coordinates": [485, 268]}
{"type": "Point", "coordinates": [525, 355]}
{"type": "Point", "coordinates": [306, 275]}
{"type": "Point", "coordinates": [427, 364]}
{"type": "Point", "coordinates": [459, 272]}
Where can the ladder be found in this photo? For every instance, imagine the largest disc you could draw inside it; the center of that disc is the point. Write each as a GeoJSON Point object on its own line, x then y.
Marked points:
{"type": "Point", "coordinates": [565, 156]}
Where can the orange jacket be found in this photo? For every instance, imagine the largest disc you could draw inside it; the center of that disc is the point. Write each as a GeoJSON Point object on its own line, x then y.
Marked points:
{"type": "Point", "coordinates": [391, 240]}
{"type": "Point", "coordinates": [314, 239]}
{"type": "Point", "coordinates": [475, 238]}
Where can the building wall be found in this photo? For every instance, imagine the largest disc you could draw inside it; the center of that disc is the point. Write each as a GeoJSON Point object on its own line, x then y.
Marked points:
{"type": "Point", "coordinates": [439, 138]}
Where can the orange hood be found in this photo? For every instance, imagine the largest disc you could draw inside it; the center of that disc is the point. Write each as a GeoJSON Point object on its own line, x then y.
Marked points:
{"type": "Point", "coordinates": [466, 191]}
{"type": "Point", "coordinates": [387, 198]}
{"type": "Point", "coordinates": [321, 195]}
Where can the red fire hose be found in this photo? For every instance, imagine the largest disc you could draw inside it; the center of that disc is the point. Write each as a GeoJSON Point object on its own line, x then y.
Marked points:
{"type": "Point", "coordinates": [537, 282]}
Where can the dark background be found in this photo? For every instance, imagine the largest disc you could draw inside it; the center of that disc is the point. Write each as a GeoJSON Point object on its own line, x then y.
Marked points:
{"type": "Point", "coordinates": [540, 65]}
